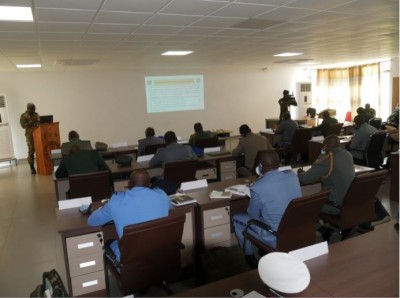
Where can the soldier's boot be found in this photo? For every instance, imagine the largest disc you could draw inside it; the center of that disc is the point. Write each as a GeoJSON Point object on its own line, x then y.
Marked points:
{"type": "Point", "coordinates": [33, 171]}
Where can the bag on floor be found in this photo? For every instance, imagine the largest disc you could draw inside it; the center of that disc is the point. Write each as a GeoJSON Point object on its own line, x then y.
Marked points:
{"type": "Point", "coordinates": [52, 286]}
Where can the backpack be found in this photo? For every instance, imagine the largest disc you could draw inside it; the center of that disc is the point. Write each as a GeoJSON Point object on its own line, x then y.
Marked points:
{"type": "Point", "coordinates": [52, 286]}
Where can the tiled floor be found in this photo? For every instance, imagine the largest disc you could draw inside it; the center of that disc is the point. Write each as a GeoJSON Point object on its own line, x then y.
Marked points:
{"type": "Point", "coordinates": [29, 242]}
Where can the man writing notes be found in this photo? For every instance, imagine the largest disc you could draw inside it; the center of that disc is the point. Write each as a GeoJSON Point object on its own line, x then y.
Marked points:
{"type": "Point", "coordinates": [138, 204]}
{"type": "Point", "coordinates": [270, 196]}
{"type": "Point", "coordinates": [249, 145]}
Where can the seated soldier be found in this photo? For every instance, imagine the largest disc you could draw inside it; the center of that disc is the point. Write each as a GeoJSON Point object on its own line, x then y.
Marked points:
{"type": "Point", "coordinates": [74, 139]}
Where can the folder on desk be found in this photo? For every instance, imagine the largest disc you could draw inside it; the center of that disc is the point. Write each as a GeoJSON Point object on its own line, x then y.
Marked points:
{"type": "Point", "coordinates": [145, 158]}
{"type": "Point", "coordinates": [218, 153]}
{"type": "Point", "coordinates": [74, 203]}
{"type": "Point", "coordinates": [212, 149]}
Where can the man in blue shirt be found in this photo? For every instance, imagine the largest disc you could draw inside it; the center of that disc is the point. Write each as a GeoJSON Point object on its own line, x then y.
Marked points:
{"type": "Point", "coordinates": [139, 204]}
{"type": "Point", "coordinates": [270, 195]}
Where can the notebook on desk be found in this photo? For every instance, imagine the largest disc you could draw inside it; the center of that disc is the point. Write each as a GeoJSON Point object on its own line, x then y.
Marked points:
{"type": "Point", "coordinates": [218, 153]}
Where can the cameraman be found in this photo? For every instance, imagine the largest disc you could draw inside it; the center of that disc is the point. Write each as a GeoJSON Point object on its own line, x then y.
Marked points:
{"type": "Point", "coordinates": [285, 102]}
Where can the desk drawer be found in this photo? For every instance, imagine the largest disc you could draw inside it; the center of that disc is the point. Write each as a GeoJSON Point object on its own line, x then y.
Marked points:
{"type": "Point", "coordinates": [88, 283]}
{"type": "Point", "coordinates": [215, 217]}
{"type": "Point", "coordinates": [85, 244]}
{"type": "Point", "coordinates": [210, 173]}
{"type": "Point", "coordinates": [228, 165]}
{"type": "Point", "coordinates": [217, 234]}
{"type": "Point", "coordinates": [228, 175]}
{"type": "Point", "coordinates": [85, 264]}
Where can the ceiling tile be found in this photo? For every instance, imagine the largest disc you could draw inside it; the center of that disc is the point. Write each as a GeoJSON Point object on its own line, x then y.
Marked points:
{"type": "Point", "coordinates": [218, 22]}
{"type": "Point", "coordinates": [17, 26]}
{"type": "Point", "coordinates": [62, 27]}
{"type": "Point", "coordinates": [69, 4]}
{"type": "Point", "coordinates": [64, 15]}
{"type": "Point", "coordinates": [197, 31]}
{"type": "Point", "coordinates": [61, 35]}
{"type": "Point", "coordinates": [152, 29]}
{"type": "Point", "coordinates": [112, 28]}
{"type": "Point", "coordinates": [171, 20]}
{"type": "Point", "coordinates": [324, 18]}
{"type": "Point", "coordinates": [317, 4]}
{"type": "Point", "coordinates": [106, 36]}
{"type": "Point", "coordinates": [193, 7]}
{"type": "Point", "coordinates": [134, 5]}
{"type": "Point", "coordinates": [121, 17]}
{"type": "Point", "coordinates": [285, 14]}
{"type": "Point", "coordinates": [241, 10]}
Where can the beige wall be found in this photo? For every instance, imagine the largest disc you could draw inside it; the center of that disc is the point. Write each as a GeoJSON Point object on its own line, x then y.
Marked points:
{"type": "Point", "coordinates": [111, 106]}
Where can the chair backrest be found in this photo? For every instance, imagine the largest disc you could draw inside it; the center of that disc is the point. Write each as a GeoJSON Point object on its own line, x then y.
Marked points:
{"type": "Point", "coordinates": [376, 122]}
{"type": "Point", "coordinates": [180, 171]}
{"type": "Point", "coordinates": [334, 129]}
{"type": "Point", "coordinates": [373, 153]}
{"type": "Point", "coordinates": [150, 253]}
{"type": "Point", "coordinates": [207, 143]}
{"type": "Point", "coordinates": [98, 185]}
{"type": "Point", "coordinates": [152, 148]}
{"type": "Point", "coordinates": [359, 202]}
{"type": "Point", "coordinates": [300, 140]}
{"type": "Point", "coordinates": [297, 227]}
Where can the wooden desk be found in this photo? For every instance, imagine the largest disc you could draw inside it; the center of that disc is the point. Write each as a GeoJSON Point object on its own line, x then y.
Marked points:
{"type": "Point", "coordinates": [363, 266]}
{"type": "Point", "coordinates": [273, 122]}
{"type": "Point", "coordinates": [110, 153]}
{"type": "Point", "coordinates": [83, 249]}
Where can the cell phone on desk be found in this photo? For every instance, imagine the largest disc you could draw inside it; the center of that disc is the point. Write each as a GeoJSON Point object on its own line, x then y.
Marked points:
{"type": "Point", "coordinates": [85, 209]}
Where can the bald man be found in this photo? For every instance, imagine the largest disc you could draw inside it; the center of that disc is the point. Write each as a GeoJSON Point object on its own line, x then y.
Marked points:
{"type": "Point", "coordinates": [335, 169]}
{"type": "Point", "coordinates": [138, 204]}
{"type": "Point", "coordinates": [29, 121]}
{"type": "Point", "coordinates": [270, 195]}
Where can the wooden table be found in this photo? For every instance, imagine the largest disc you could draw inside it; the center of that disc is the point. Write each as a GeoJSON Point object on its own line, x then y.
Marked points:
{"type": "Point", "coordinates": [363, 266]}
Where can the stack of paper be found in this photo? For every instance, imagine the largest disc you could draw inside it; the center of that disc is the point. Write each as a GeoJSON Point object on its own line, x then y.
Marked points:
{"type": "Point", "coordinates": [181, 199]}
{"type": "Point", "coordinates": [240, 189]}
{"type": "Point", "coordinates": [216, 194]}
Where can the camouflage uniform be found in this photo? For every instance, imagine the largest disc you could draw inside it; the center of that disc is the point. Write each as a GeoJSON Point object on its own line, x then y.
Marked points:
{"type": "Point", "coordinates": [29, 121]}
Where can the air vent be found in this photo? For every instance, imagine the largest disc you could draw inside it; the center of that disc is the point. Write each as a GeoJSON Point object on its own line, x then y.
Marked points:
{"type": "Point", "coordinates": [76, 62]}
{"type": "Point", "coordinates": [305, 87]}
{"type": "Point", "coordinates": [2, 102]}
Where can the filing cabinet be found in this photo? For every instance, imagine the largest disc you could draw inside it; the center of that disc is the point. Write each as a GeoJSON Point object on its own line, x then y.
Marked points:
{"type": "Point", "coordinates": [227, 169]}
{"type": "Point", "coordinates": [216, 227]}
{"type": "Point", "coordinates": [85, 263]}
{"type": "Point", "coordinates": [207, 173]}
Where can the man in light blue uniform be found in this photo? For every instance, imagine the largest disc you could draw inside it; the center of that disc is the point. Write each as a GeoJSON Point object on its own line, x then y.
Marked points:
{"type": "Point", "coordinates": [139, 204]}
{"type": "Point", "coordinates": [270, 196]}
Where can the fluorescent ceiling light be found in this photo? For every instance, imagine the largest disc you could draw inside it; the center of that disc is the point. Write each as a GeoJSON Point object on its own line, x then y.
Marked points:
{"type": "Point", "coordinates": [288, 54]}
{"type": "Point", "coordinates": [29, 65]}
{"type": "Point", "coordinates": [176, 53]}
{"type": "Point", "coordinates": [15, 13]}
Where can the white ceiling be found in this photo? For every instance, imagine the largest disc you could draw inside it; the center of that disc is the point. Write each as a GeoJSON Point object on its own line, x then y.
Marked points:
{"type": "Point", "coordinates": [129, 34]}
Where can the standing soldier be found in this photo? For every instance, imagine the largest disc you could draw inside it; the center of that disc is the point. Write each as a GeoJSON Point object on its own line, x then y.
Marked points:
{"type": "Point", "coordinates": [29, 120]}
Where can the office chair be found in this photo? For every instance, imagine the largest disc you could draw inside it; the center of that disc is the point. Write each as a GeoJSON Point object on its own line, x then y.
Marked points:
{"type": "Point", "coordinates": [373, 153]}
{"type": "Point", "coordinates": [358, 204]}
{"type": "Point", "coordinates": [376, 122]}
{"type": "Point", "coordinates": [180, 171]}
{"type": "Point", "coordinates": [299, 144]}
{"type": "Point", "coordinates": [98, 185]}
{"type": "Point", "coordinates": [150, 255]}
{"type": "Point", "coordinates": [152, 148]}
{"type": "Point", "coordinates": [207, 143]}
{"type": "Point", "coordinates": [333, 129]}
{"type": "Point", "coordinates": [297, 228]}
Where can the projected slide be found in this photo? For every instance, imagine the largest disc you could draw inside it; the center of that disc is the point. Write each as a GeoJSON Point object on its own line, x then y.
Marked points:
{"type": "Point", "coordinates": [174, 93]}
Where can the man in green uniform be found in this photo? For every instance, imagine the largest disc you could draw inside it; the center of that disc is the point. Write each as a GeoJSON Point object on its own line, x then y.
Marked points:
{"type": "Point", "coordinates": [29, 121]}
{"type": "Point", "coordinates": [335, 169]}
